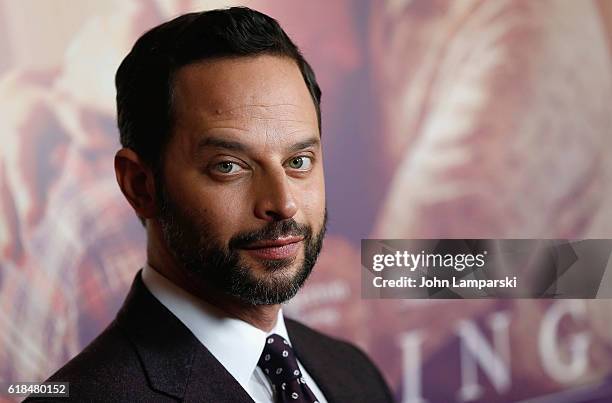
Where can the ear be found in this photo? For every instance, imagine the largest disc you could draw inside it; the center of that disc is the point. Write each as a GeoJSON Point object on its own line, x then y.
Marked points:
{"type": "Point", "coordinates": [137, 182]}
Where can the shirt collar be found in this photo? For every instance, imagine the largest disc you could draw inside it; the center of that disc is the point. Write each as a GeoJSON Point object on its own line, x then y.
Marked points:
{"type": "Point", "coordinates": [236, 344]}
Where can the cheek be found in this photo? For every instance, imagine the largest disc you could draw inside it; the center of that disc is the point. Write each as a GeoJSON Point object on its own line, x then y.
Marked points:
{"type": "Point", "coordinates": [311, 197]}
{"type": "Point", "coordinates": [223, 209]}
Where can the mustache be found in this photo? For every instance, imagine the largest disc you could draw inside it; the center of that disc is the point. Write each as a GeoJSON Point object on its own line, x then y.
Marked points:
{"type": "Point", "coordinates": [271, 231]}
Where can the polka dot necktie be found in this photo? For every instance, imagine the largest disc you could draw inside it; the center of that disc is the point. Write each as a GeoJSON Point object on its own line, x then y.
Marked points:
{"type": "Point", "coordinates": [280, 365]}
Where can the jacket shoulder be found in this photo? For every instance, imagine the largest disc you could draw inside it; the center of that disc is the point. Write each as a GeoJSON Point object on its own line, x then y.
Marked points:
{"type": "Point", "coordinates": [108, 369]}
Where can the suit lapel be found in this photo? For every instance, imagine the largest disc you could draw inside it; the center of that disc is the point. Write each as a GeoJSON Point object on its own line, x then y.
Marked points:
{"type": "Point", "coordinates": [210, 382]}
{"type": "Point", "coordinates": [175, 362]}
{"type": "Point", "coordinates": [322, 363]}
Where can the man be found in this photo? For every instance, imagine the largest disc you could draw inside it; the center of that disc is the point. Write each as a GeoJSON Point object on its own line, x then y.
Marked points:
{"type": "Point", "coordinates": [219, 116]}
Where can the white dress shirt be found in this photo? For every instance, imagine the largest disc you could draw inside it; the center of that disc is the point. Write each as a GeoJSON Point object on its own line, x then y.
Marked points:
{"type": "Point", "coordinates": [236, 344]}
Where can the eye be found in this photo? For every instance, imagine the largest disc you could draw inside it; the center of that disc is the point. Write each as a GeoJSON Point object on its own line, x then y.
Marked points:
{"type": "Point", "coordinates": [227, 167]}
{"type": "Point", "coordinates": [302, 163]}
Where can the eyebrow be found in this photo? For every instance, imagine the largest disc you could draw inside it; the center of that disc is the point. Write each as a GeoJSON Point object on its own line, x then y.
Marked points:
{"type": "Point", "coordinates": [216, 142]}
{"type": "Point", "coordinates": [314, 141]}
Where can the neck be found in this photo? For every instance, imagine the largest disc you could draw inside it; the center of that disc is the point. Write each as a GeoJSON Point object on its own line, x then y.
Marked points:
{"type": "Point", "coordinates": [261, 316]}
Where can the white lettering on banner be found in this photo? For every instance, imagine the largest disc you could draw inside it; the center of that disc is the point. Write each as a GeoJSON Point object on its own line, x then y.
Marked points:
{"type": "Point", "coordinates": [476, 352]}
{"type": "Point", "coordinates": [564, 357]}
{"type": "Point", "coordinates": [410, 344]}
{"type": "Point", "coordinates": [576, 346]}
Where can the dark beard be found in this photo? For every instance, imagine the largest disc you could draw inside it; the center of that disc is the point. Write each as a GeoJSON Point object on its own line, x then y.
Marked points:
{"type": "Point", "coordinates": [206, 259]}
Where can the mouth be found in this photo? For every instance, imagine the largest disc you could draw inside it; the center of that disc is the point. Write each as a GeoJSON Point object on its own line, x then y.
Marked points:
{"type": "Point", "coordinates": [280, 248]}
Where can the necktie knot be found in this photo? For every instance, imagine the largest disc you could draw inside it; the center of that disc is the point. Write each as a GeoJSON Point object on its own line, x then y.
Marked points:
{"type": "Point", "coordinates": [279, 362]}
{"type": "Point", "coordinates": [280, 365]}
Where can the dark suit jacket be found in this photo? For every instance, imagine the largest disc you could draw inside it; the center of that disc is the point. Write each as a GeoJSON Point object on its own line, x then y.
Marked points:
{"type": "Point", "coordinates": [147, 355]}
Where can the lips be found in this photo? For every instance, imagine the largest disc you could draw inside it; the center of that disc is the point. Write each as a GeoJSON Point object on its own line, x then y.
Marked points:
{"type": "Point", "coordinates": [280, 248]}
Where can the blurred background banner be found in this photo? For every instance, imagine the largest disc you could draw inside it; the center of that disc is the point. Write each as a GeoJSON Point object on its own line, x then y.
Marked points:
{"type": "Point", "coordinates": [441, 119]}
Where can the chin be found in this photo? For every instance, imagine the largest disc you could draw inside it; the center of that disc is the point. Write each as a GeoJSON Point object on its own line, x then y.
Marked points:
{"type": "Point", "coordinates": [269, 267]}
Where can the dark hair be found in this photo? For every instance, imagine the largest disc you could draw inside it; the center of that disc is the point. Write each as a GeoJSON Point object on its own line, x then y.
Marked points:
{"type": "Point", "coordinates": [144, 79]}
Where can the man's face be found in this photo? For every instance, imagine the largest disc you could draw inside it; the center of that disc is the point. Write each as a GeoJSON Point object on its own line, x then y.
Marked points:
{"type": "Point", "coordinates": [242, 203]}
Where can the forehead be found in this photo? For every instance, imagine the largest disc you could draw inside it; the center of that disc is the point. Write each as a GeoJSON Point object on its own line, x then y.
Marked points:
{"type": "Point", "coordinates": [266, 91]}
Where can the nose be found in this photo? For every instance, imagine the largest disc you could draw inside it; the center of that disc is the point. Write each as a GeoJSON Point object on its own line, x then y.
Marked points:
{"type": "Point", "coordinates": [275, 201]}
